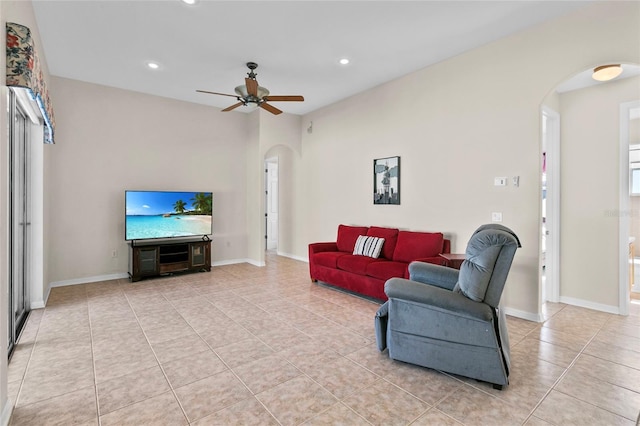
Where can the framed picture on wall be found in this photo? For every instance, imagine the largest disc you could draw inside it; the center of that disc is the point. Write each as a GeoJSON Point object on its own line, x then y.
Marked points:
{"type": "Point", "coordinates": [386, 180]}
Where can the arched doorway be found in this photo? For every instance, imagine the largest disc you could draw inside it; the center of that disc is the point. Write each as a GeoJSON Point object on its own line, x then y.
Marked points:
{"type": "Point", "coordinates": [592, 221]}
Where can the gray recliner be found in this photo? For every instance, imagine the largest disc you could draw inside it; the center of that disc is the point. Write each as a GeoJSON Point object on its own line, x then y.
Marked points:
{"type": "Point", "coordinates": [449, 320]}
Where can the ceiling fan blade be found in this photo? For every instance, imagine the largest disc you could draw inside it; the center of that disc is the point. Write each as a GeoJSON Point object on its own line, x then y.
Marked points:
{"type": "Point", "coordinates": [216, 93]}
{"type": "Point", "coordinates": [270, 108]}
{"type": "Point", "coordinates": [234, 106]}
{"type": "Point", "coordinates": [292, 98]}
{"type": "Point", "coordinates": [252, 86]}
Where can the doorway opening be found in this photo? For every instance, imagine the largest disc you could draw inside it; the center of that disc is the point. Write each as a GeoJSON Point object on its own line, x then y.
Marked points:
{"type": "Point", "coordinates": [629, 202]}
{"type": "Point", "coordinates": [271, 204]}
{"type": "Point", "coordinates": [550, 203]}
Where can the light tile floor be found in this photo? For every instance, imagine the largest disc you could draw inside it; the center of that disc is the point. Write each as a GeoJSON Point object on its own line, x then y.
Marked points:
{"type": "Point", "coordinates": [265, 346]}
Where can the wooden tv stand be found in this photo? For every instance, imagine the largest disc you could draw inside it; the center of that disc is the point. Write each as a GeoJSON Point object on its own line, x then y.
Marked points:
{"type": "Point", "coordinates": [151, 258]}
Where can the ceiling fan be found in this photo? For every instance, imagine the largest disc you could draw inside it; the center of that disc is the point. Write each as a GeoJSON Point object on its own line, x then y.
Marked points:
{"type": "Point", "coordinates": [250, 92]}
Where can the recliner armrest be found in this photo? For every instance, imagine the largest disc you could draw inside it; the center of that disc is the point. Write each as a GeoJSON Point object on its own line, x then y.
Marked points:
{"type": "Point", "coordinates": [438, 298]}
{"type": "Point", "coordinates": [436, 275]}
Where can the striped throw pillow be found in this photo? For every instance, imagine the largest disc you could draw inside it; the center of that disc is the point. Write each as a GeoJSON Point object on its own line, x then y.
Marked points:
{"type": "Point", "coordinates": [368, 246]}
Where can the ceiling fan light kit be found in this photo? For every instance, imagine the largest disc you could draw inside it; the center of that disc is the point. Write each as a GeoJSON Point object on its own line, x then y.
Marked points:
{"type": "Point", "coordinates": [606, 72]}
{"type": "Point", "coordinates": [251, 92]}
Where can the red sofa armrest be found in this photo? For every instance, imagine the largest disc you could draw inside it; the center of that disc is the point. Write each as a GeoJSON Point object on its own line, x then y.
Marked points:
{"type": "Point", "coordinates": [446, 246]}
{"type": "Point", "coordinates": [320, 247]}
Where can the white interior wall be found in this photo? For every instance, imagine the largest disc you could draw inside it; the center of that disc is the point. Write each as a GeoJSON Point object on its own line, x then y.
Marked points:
{"type": "Point", "coordinates": [110, 140]}
{"type": "Point", "coordinates": [457, 125]}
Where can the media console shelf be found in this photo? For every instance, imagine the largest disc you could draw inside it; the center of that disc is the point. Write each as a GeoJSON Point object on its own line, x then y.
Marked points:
{"type": "Point", "coordinates": [151, 259]}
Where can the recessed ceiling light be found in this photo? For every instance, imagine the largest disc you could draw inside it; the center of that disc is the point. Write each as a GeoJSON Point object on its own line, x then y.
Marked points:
{"type": "Point", "coordinates": [189, 2]}
{"type": "Point", "coordinates": [344, 61]}
{"type": "Point", "coordinates": [153, 65]}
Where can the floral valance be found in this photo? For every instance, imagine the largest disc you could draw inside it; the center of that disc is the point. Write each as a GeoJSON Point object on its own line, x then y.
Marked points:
{"type": "Point", "coordinates": [23, 70]}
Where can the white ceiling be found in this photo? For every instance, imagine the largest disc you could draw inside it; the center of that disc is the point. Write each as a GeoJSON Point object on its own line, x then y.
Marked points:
{"type": "Point", "coordinates": [297, 44]}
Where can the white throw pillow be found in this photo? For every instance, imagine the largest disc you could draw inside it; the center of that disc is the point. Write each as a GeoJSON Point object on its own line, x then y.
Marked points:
{"type": "Point", "coordinates": [368, 246]}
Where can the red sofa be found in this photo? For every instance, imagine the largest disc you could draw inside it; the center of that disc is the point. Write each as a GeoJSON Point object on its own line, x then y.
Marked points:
{"type": "Point", "coordinates": [334, 262]}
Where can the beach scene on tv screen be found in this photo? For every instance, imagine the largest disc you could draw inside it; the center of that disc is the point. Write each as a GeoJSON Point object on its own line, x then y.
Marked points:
{"type": "Point", "coordinates": [168, 214]}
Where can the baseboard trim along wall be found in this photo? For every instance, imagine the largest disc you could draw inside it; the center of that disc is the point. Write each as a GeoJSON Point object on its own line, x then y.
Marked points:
{"type": "Point", "coordinates": [529, 316]}
{"type": "Point", "coordinates": [6, 413]}
{"type": "Point", "coordinates": [292, 256]}
{"type": "Point", "coordinates": [590, 305]}
{"type": "Point", "coordinates": [86, 280]}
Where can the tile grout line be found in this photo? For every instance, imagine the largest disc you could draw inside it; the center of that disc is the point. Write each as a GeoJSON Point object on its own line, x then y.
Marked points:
{"type": "Point", "coordinates": [184, 413]}
{"type": "Point", "coordinates": [26, 368]}
{"type": "Point", "coordinates": [565, 372]}
{"type": "Point", "coordinates": [93, 359]}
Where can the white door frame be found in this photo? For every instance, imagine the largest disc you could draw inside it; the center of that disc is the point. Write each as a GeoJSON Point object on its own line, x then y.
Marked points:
{"type": "Point", "coordinates": [552, 256]}
{"type": "Point", "coordinates": [623, 217]}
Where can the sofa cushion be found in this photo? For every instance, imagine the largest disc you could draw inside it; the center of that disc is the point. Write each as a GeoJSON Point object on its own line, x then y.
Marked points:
{"type": "Point", "coordinates": [347, 236]}
{"type": "Point", "coordinates": [390, 236]}
{"type": "Point", "coordinates": [355, 264]}
{"type": "Point", "coordinates": [414, 245]}
{"type": "Point", "coordinates": [328, 258]}
{"type": "Point", "coordinates": [387, 269]}
{"type": "Point", "coordinates": [368, 246]}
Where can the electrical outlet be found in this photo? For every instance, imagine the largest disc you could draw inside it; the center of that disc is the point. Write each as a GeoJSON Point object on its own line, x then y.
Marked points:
{"type": "Point", "coordinates": [496, 217]}
{"type": "Point", "coordinates": [500, 181]}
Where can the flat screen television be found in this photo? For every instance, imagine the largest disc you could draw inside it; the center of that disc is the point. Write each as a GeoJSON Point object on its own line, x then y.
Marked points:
{"type": "Point", "coordinates": [167, 214]}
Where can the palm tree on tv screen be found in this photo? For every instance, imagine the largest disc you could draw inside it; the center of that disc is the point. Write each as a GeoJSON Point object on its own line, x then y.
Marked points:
{"type": "Point", "coordinates": [203, 203]}
{"type": "Point", "coordinates": [179, 206]}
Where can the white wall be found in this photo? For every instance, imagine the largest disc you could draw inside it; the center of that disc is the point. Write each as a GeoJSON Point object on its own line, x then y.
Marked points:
{"type": "Point", "coordinates": [457, 125]}
{"type": "Point", "coordinates": [590, 135]}
{"type": "Point", "coordinates": [110, 140]}
{"type": "Point", "coordinates": [266, 131]}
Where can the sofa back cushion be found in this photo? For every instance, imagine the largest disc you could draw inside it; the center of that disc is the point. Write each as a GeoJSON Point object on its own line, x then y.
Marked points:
{"type": "Point", "coordinates": [416, 245]}
{"type": "Point", "coordinates": [347, 236]}
{"type": "Point", "coordinates": [390, 236]}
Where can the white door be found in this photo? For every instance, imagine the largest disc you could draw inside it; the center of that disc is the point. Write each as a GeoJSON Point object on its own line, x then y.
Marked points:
{"type": "Point", "coordinates": [272, 204]}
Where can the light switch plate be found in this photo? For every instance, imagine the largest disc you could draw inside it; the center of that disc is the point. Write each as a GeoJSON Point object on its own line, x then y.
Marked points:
{"type": "Point", "coordinates": [496, 217]}
{"type": "Point", "coordinates": [500, 181]}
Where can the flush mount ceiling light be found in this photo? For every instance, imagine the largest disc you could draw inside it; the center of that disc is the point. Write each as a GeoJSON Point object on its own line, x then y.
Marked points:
{"type": "Point", "coordinates": [344, 61]}
{"type": "Point", "coordinates": [606, 72]}
{"type": "Point", "coordinates": [189, 2]}
{"type": "Point", "coordinates": [153, 65]}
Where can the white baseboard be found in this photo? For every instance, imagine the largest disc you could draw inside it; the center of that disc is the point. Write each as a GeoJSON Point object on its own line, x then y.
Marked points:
{"type": "Point", "coordinates": [39, 304]}
{"type": "Point", "coordinates": [86, 280]}
{"type": "Point", "coordinates": [6, 413]}
{"type": "Point", "coordinates": [293, 256]}
{"type": "Point", "coordinates": [124, 275]}
{"type": "Point", "coordinates": [98, 278]}
{"type": "Point", "coordinates": [529, 316]}
{"type": "Point", "coordinates": [590, 305]}
{"type": "Point", "coordinates": [75, 281]}
{"type": "Point", "coordinates": [236, 261]}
